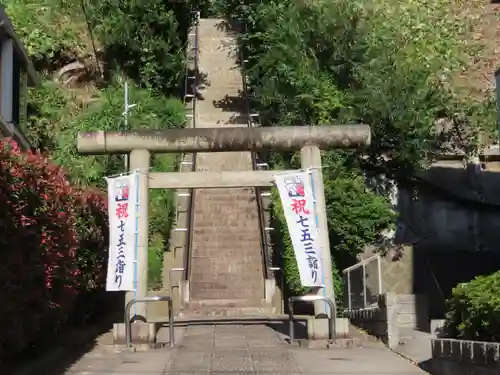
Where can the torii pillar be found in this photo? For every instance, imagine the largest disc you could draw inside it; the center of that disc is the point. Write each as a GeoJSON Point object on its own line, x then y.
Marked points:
{"type": "Point", "coordinates": [309, 140]}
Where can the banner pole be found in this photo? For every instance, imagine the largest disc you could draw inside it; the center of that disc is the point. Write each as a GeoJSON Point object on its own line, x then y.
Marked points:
{"type": "Point", "coordinates": [310, 158]}
{"type": "Point", "coordinates": [136, 247]}
{"type": "Point", "coordinates": [313, 188]}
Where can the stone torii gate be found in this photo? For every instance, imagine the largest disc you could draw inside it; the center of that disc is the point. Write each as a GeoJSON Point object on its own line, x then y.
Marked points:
{"type": "Point", "coordinates": [140, 144]}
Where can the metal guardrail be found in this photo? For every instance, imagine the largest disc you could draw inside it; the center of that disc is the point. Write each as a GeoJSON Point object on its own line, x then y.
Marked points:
{"type": "Point", "coordinates": [258, 196]}
{"type": "Point", "coordinates": [332, 329]}
{"type": "Point", "coordinates": [194, 85]}
{"type": "Point", "coordinates": [128, 323]}
{"type": "Point", "coordinates": [363, 283]}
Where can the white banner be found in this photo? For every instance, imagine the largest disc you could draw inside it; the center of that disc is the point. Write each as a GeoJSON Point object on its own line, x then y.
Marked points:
{"type": "Point", "coordinates": [122, 198]}
{"type": "Point", "coordinates": [297, 198]}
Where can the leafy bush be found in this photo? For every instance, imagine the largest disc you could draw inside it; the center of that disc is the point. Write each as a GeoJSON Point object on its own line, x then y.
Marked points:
{"type": "Point", "coordinates": [105, 112]}
{"type": "Point", "coordinates": [48, 107]}
{"type": "Point", "coordinates": [92, 225]}
{"type": "Point", "coordinates": [53, 245]}
{"type": "Point", "coordinates": [358, 62]}
{"type": "Point", "coordinates": [145, 39]}
{"type": "Point", "coordinates": [474, 309]}
{"type": "Point", "coordinates": [49, 33]}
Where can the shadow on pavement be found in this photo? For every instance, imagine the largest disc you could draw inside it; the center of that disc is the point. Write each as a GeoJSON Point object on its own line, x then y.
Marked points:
{"type": "Point", "coordinates": [426, 365]}
{"type": "Point", "coordinates": [60, 353]}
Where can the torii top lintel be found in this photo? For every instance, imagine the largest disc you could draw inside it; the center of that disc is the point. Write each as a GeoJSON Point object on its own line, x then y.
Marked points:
{"type": "Point", "coordinates": [279, 138]}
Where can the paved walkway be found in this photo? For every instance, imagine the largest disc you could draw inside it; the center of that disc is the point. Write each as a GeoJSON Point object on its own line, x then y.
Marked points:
{"type": "Point", "coordinates": [242, 350]}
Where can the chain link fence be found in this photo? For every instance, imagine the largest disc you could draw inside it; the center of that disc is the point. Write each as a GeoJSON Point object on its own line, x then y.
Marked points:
{"type": "Point", "coordinates": [363, 283]}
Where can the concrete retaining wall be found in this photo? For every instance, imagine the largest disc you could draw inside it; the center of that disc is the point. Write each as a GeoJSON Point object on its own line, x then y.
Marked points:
{"type": "Point", "coordinates": [413, 311]}
{"type": "Point", "coordinates": [381, 321]}
{"type": "Point", "coordinates": [458, 357]}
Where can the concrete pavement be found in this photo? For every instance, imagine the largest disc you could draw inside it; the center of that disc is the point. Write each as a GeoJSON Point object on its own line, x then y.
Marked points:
{"type": "Point", "coordinates": [242, 350]}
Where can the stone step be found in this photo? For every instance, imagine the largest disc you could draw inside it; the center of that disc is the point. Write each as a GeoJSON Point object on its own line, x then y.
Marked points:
{"type": "Point", "coordinates": [243, 279]}
{"type": "Point", "coordinates": [211, 247]}
{"type": "Point", "coordinates": [212, 267]}
{"type": "Point", "coordinates": [221, 120]}
{"type": "Point", "coordinates": [245, 272]}
{"type": "Point", "coordinates": [226, 307]}
{"type": "Point", "coordinates": [251, 289]}
{"type": "Point", "coordinates": [232, 239]}
{"type": "Point", "coordinates": [227, 312]}
{"type": "Point", "coordinates": [226, 253]}
{"type": "Point", "coordinates": [211, 123]}
{"type": "Point", "coordinates": [200, 291]}
{"type": "Point", "coordinates": [218, 206]}
{"type": "Point", "coordinates": [226, 302]}
{"type": "Point", "coordinates": [237, 232]}
{"type": "Point", "coordinates": [337, 343]}
{"type": "Point", "coordinates": [225, 250]}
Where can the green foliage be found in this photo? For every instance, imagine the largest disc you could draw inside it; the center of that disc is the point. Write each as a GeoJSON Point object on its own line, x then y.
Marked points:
{"type": "Point", "coordinates": [47, 44]}
{"type": "Point", "coordinates": [54, 111]}
{"type": "Point", "coordinates": [290, 87]}
{"type": "Point", "coordinates": [474, 309]}
{"type": "Point", "coordinates": [143, 38]}
{"type": "Point", "coordinates": [105, 113]}
{"type": "Point", "coordinates": [371, 62]}
{"type": "Point", "coordinates": [161, 214]}
{"type": "Point", "coordinates": [356, 215]}
{"type": "Point", "coordinates": [48, 107]}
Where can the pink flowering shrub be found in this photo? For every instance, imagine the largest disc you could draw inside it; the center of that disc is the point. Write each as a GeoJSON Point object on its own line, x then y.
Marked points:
{"type": "Point", "coordinates": [53, 246]}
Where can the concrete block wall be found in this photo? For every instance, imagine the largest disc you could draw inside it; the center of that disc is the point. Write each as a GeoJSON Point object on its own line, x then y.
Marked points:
{"type": "Point", "coordinates": [460, 357]}
{"type": "Point", "coordinates": [413, 311]}
{"type": "Point", "coordinates": [380, 321]}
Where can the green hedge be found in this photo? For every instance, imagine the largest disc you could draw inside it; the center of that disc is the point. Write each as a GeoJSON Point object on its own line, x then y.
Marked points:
{"type": "Point", "coordinates": [54, 246]}
{"type": "Point", "coordinates": [474, 309]}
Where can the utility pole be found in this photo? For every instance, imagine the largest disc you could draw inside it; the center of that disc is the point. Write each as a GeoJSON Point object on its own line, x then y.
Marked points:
{"type": "Point", "coordinates": [126, 108]}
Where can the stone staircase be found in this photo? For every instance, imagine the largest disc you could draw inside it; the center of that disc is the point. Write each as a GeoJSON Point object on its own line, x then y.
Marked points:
{"type": "Point", "coordinates": [226, 266]}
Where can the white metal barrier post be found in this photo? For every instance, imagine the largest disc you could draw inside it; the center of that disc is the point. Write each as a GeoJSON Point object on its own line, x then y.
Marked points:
{"type": "Point", "coordinates": [312, 298]}
{"type": "Point", "coordinates": [128, 323]}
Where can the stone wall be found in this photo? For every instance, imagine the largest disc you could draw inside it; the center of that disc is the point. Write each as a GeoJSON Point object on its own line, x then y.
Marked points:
{"type": "Point", "coordinates": [448, 232]}
{"type": "Point", "coordinates": [458, 357]}
{"type": "Point", "coordinates": [453, 226]}
{"type": "Point", "coordinates": [380, 321]}
{"type": "Point", "coordinates": [413, 311]}
{"type": "Point", "coordinates": [452, 208]}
